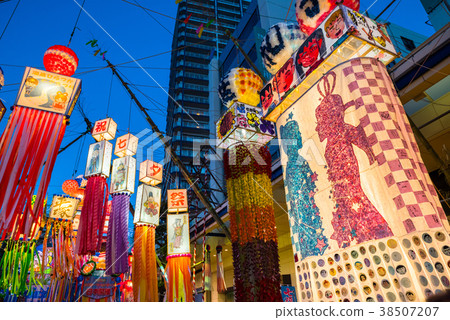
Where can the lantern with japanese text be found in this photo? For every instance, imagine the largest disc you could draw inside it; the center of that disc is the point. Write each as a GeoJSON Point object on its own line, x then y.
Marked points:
{"type": "Point", "coordinates": [93, 213]}
{"type": "Point", "coordinates": [150, 172]}
{"type": "Point", "coordinates": [280, 42]}
{"type": "Point", "coordinates": [126, 145]}
{"type": "Point", "coordinates": [177, 200]}
{"type": "Point", "coordinates": [179, 286]}
{"type": "Point", "coordinates": [311, 13]}
{"type": "Point", "coordinates": [242, 85]}
{"type": "Point", "coordinates": [60, 59]}
{"type": "Point", "coordinates": [104, 129]}
{"type": "Point", "coordinates": [29, 146]}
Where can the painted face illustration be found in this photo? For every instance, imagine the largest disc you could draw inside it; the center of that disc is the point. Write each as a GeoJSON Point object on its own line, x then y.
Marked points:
{"type": "Point", "coordinates": [285, 76]}
{"type": "Point", "coordinates": [335, 26]}
{"type": "Point", "coordinates": [310, 53]}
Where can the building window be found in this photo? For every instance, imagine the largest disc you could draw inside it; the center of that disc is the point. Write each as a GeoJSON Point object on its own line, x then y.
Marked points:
{"type": "Point", "coordinates": [409, 44]}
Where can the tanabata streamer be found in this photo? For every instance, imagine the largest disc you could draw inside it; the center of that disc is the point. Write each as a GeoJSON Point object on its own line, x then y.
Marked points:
{"type": "Point", "coordinates": [145, 282]}
{"type": "Point", "coordinates": [178, 269]}
{"type": "Point", "coordinates": [221, 286]}
{"type": "Point", "coordinates": [252, 223]}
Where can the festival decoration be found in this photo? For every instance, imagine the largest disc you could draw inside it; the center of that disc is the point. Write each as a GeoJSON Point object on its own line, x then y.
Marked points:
{"type": "Point", "coordinates": [252, 223]}
{"type": "Point", "coordinates": [126, 145]}
{"type": "Point", "coordinates": [60, 59]}
{"type": "Point", "coordinates": [98, 289]}
{"type": "Point", "coordinates": [2, 78]}
{"type": "Point", "coordinates": [179, 285]}
{"type": "Point", "coordinates": [145, 281]}
{"type": "Point", "coordinates": [148, 205]}
{"type": "Point", "coordinates": [104, 129]}
{"type": "Point", "coordinates": [221, 286]}
{"type": "Point", "coordinates": [279, 44]}
{"type": "Point", "coordinates": [363, 202]}
{"type": "Point", "coordinates": [150, 172]}
{"type": "Point", "coordinates": [93, 213]}
{"type": "Point", "coordinates": [29, 146]}
{"type": "Point", "coordinates": [242, 85]}
{"type": "Point", "coordinates": [343, 34]}
{"type": "Point", "coordinates": [123, 175]}
{"type": "Point", "coordinates": [242, 123]}
{"type": "Point", "coordinates": [70, 187]}
{"type": "Point", "coordinates": [2, 110]}
{"type": "Point", "coordinates": [88, 268]}
{"type": "Point", "coordinates": [311, 13]}
{"type": "Point", "coordinates": [177, 200]}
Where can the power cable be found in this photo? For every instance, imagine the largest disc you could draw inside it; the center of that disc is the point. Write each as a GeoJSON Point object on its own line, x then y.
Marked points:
{"type": "Point", "coordinates": [76, 23]}
{"type": "Point", "coordinates": [10, 17]}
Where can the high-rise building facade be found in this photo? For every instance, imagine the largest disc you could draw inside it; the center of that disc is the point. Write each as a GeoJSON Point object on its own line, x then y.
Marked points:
{"type": "Point", "coordinates": [193, 48]}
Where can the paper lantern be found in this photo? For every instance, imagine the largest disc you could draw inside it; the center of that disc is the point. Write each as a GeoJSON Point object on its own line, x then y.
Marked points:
{"type": "Point", "coordinates": [70, 187]}
{"type": "Point", "coordinates": [311, 13]}
{"type": "Point", "coordinates": [123, 175]}
{"type": "Point", "coordinates": [61, 60]}
{"type": "Point", "coordinates": [2, 78]}
{"type": "Point", "coordinates": [178, 234]}
{"type": "Point", "coordinates": [63, 207]}
{"type": "Point", "coordinates": [99, 159]}
{"type": "Point", "coordinates": [150, 172]}
{"type": "Point", "coordinates": [279, 44]}
{"type": "Point", "coordinates": [242, 123]}
{"type": "Point", "coordinates": [47, 91]}
{"type": "Point", "coordinates": [81, 181]}
{"type": "Point", "coordinates": [177, 200]}
{"type": "Point", "coordinates": [242, 85]}
{"type": "Point", "coordinates": [343, 35]}
{"type": "Point", "coordinates": [104, 129]}
{"type": "Point", "coordinates": [358, 194]}
{"type": "Point", "coordinates": [148, 205]}
{"type": "Point", "coordinates": [126, 145]}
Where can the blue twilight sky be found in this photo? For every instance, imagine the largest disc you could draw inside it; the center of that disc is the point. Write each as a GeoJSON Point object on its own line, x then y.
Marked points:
{"type": "Point", "coordinates": [38, 25]}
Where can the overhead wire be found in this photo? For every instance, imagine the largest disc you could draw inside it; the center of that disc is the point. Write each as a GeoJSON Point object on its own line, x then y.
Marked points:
{"type": "Point", "coordinates": [9, 20]}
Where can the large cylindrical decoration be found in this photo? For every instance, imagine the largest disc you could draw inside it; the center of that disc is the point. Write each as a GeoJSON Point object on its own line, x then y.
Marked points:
{"type": "Point", "coordinates": [178, 268]}
{"type": "Point", "coordinates": [146, 219]}
{"type": "Point", "coordinates": [252, 223]}
{"type": "Point", "coordinates": [29, 146]}
{"type": "Point", "coordinates": [93, 213]}
{"type": "Point", "coordinates": [366, 222]}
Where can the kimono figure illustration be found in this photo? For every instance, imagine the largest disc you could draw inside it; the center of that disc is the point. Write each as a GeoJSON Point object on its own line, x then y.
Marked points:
{"type": "Point", "coordinates": [301, 185]}
{"type": "Point", "coordinates": [178, 233]}
{"type": "Point", "coordinates": [355, 217]}
{"type": "Point", "coordinates": [150, 205]}
{"type": "Point", "coordinates": [94, 164]}
{"type": "Point", "coordinates": [120, 177]}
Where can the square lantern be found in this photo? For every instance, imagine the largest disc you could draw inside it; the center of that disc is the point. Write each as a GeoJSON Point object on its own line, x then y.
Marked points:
{"type": "Point", "coordinates": [123, 175]}
{"type": "Point", "coordinates": [126, 145]}
{"type": "Point", "coordinates": [150, 172]}
{"type": "Point", "coordinates": [244, 123]}
{"type": "Point", "coordinates": [104, 129]}
{"type": "Point", "coordinates": [99, 159]}
{"type": "Point", "coordinates": [177, 200]}
{"type": "Point", "coordinates": [48, 91]}
{"type": "Point", "coordinates": [148, 205]}
{"type": "Point", "coordinates": [63, 207]}
{"type": "Point", "coordinates": [343, 35]}
{"type": "Point", "coordinates": [178, 234]}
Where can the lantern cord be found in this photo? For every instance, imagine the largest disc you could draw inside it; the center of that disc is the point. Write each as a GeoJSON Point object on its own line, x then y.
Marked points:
{"type": "Point", "coordinates": [77, 160]}
{"type": "Point", "coordinates": [12, 14]}
{"type": "Point", "coordinates": [109, 96]}
{"type": "Point", "coordinates": [287, 13]}
{"type": "Point", "coordinates": [129, 115]}
{"type": "Point", "coordinates": [76, 23]}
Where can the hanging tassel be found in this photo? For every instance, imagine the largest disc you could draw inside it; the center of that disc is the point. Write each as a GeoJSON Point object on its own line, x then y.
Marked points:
{"type": "Point", "coordinates": [221, 286]}
{"type": "Point", "coordinates": [28, 150]}
{"type": "Point", "coordinates": [93, 214]}
{"type": "Point", "coordinates": [145, 281]}
{"type": "Point", "coordinates": [117, 241]}
{"type": "Point", "coordinates": [179, 287]}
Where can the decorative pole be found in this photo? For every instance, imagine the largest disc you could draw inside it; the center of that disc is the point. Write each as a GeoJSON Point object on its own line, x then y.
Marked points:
{"type": "Point", "coordinates": [248, 173]}
{"type": "Point", "coordinates": [146, 219]}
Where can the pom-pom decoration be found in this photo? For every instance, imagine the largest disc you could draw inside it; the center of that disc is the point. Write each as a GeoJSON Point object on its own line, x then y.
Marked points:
{"type": "Point", "coordinates": [242, 85]}
{"type": "Point", "coordinates": [71, 187]}
{"type": "Point", "coordinates": [311, 13]}
{"type": "Point", "coordinates": [279, 44]}
{"type": "Point", "coordinates": [60, 59]}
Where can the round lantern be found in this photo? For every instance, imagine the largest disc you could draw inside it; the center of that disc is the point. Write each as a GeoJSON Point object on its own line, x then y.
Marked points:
{"type": "Point", "coordinates": [311, 13]}
{"type": "Point", "coordinates": [2, 78]}
{"type": "Point", "coordinates": [279, 44]}
{"type": "Point", "coordinates": [60, 59]}
{"type": "Point", "coordinates": [70, 187]}
{"type": "Point", "coordinates": [242, 85]}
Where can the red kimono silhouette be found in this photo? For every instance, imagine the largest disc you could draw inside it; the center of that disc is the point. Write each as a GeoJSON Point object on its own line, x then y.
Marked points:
{"type": "Point", "coordinates": [355, 217]}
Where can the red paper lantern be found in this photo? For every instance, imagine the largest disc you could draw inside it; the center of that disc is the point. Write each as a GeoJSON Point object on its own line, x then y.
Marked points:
{"type": "Point", "coordinates": [71, 187]}
{"type": "Point", "coordinates": [60, 59]}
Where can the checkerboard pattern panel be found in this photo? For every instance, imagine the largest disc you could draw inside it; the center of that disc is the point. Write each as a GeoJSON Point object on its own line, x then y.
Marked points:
{"type": "Point", "coordinates": [392, 140]}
